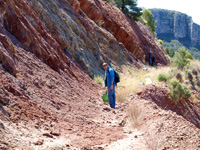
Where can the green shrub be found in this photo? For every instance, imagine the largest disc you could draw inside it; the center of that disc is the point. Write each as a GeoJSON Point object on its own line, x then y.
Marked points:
{"type": "Point", "coordinates": [160, 41]}
{"type": "Point", "coordinates": [147, 18]}
{"type": "Point", "coordinates": [99, 80]}
{"type": "Point", "coordinates": [129, 8]}
{"type": "Point", "coordinates": [186, 72]}
{"type": "Point", "coordinates": [165, 77]}
{"type": "Point", "coordinates": [178, 91]}
{"type": "Point", "coordinates": [182, 58]}
{"type": "Point", "coordinates": [162, 77]}
{"type": "Point", "coordinates": [168, 58]}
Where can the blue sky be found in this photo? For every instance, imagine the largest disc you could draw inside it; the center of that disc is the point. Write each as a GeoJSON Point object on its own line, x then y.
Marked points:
{"type": "Point", "coordinates": [189, 7]}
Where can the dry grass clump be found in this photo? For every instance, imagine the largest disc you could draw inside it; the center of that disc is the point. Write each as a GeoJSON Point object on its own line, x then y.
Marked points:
{"type": "Point", "coordinates": [195, 63]}
{"type": "Point", "coordinates": [99, 80]}
{"type": "Point", "coordinates": [135, 114]}
{"type": "Point", "coordinates": [155, 141]}
{"type": "Point", "coordinates": [129, 80]}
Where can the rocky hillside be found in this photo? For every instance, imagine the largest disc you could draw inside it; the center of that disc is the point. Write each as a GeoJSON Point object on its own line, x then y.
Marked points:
{"type": "Point", "coordinates": [90, 32]}
{"type": "Point", "coordinates": [48, 51]}
{"type": "Point", "coordinates": [176, 25]}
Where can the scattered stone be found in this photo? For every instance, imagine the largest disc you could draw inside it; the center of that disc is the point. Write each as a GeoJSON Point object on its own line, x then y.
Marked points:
{"type": "Point", "coordinates": [2, 126]}
{"type": "Point", "coordinates": [194, 72]}
{"type": "Point", "coordinates": [67, 145]}
{"type": "Point", "coordinates": [48, 135]}
{"type": "Point", "coordinates": [86, 148]}
{"type": "Point", "coordinates": [55, 133]}
{"type": "Point", "coordinates": [135, 136]}
{"type": "Point", "coordinates": [98, 148]}
{"type": "Point", "coordinates": [122, 123]}
{"type": "Point", "coordinates": [39, 142]}
{"type": "Point", "coordinates": [107, 109]}
{"type": "Point", "coordinates": [179, 77]}
{"type": "Point", "coordinates": [189, 75]}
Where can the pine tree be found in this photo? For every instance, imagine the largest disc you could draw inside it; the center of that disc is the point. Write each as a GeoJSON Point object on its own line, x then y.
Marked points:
{"type": "Point", "coordinates": [182, 58]}
{"type": "Point", "coordinates": [171, 52]}
{"type": "Point", "coordinates": [129, 7]}
{"type": "Point", "coordinates": [147, 18]}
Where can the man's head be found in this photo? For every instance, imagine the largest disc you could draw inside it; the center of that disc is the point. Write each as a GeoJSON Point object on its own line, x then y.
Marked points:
{"type": "Point", "coordinates": [105, 66]}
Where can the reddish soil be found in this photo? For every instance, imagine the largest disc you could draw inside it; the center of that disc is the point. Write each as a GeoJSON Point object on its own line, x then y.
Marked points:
{"type": "Point", "coordinates": [44, 101]}
{"type": "Point", "coordinates": [160, 96]}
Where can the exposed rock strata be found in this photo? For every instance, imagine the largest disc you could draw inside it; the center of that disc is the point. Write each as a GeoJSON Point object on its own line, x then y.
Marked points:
{"type": "Point", "coordinates": [79, 37]}
{"type": "Point", "coordinates": [133, 35]}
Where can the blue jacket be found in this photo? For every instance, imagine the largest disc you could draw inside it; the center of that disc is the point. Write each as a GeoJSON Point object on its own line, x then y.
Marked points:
{"type": "Point", "coordinates": [110, 77]}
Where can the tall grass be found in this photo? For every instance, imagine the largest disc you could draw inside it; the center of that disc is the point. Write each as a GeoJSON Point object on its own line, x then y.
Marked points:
{"type": "Point", "coordinates": [99, 80]}
{"type": "Point", "coordinates": [135, 114]}
{"type": "Point", "coordinates": [129, 80]}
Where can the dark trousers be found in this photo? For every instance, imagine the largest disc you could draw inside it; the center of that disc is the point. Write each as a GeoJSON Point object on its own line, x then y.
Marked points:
{"type": "Point", "coordinates": [112, 97]}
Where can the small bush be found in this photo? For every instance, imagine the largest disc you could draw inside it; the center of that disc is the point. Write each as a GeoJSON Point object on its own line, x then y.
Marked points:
{"type": "Point", "coordinates": [194, 72]}
{"type": "Point", "coordinates": [135, 114]}
{"type": "Point", "coordinates": [182, 58]}
{"type": "Point", "coordinates": [178, 91]}
{"type": "Point", "coordinates": [160, 41]}
{"type": "Point", "coordinates": [189, 76]}
{"type": "Point", "coordinates": [168, 58]}
{"type": "Point", "coordinates": [162, 77]}
{"type": "Point", "coordinates": [166, 77]}
{"type": "Point", "coordinates": [179, 77]}
{"type": "Point", "coordinates": [170, 75]}
{"type": "Point", "coordinates": [99, 80]}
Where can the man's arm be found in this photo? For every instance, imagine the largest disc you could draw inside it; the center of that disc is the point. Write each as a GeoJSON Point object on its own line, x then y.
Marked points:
{"type": "Point", "coordinates": [112, 78]}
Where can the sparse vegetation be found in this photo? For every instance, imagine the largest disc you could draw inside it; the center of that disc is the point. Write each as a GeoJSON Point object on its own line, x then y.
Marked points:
{"type": "Point", "coordinates": [135, 114]}
{"type": "Point", "coordinates": [130, 79]}
{"type": "Point", "coordinates": [170, 52]}
{"type": "Point", "coordinates": [129, 7]}
{"type": "Point", "coordinates": [166, 77]}
{"type": "Point", "coordinates": [162, 77]}
{"type": "Point", "coordinates": [99, 80]}
{"type": "Point", "coordinates": [178, 92]}
{"type": "Point", "coordinates": [182, 58]}
{"type": "Point", "coordinates": [175, 45]}
{"type": "Point", "coordinates": [160, 41]}
{"type": "Point", "coordinates": [100, 23]}
{"type": "Point", "coordinates": [147, 18]}
{"type": "Point", "coordinates": [179, 77]}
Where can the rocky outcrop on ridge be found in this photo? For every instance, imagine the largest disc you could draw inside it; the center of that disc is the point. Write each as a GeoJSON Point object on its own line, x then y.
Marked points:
{"type": "Point", "coordinates": [177, 25]}
{"type": "Point", "coordinates": [91, 33]}
{"type": "Point", "coordinates": [88, 32]}
{"type": "Point", "coordinates": [135, 36]}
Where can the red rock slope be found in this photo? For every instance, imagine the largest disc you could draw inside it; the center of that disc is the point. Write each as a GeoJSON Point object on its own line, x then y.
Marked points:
{"type": "Point", "coordinates": [134, 35]}
{"type": "Point", "coordinates": [42, 92]}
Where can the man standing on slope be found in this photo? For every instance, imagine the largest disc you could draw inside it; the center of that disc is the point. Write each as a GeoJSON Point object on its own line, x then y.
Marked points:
{"type": "Point", "coordinates": [150, 58]}
{"type": "Point", "coordinates": [110, 84]}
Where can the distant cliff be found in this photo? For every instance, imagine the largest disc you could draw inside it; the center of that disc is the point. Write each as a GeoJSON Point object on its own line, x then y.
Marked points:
{"type": "Point", "coordinates": [173, 24]}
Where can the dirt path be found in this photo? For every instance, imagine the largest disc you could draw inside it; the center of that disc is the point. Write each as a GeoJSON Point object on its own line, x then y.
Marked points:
{"type": "Point", "coordinates": [132, 141]}
{"type": "Point", "coordinates": [97, 127]}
